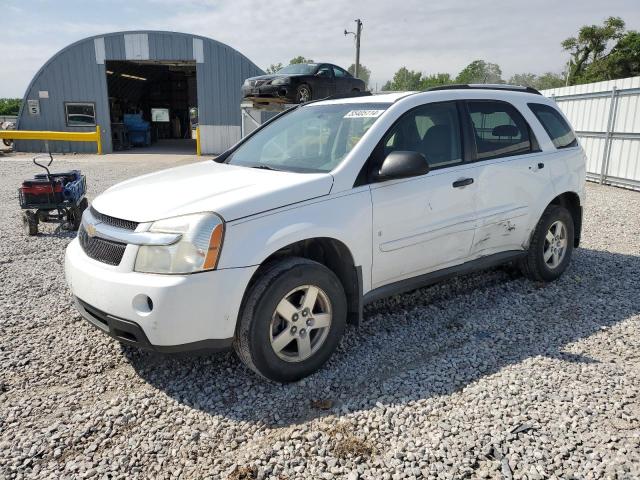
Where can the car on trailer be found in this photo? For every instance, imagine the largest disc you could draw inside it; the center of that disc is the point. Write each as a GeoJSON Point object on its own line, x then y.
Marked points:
{"type": "Point", "coordinates": [302, 82]}
{"type": "Point", "coordinates": [274, 246]}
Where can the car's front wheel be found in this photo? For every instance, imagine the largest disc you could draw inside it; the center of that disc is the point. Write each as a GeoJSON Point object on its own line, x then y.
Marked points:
{"type": "Point", "coordinates": [551, 246]}
{"type": "Point", "coordinates": [303, 93]}
{"type": "Point", "coordinates": [292, 320]}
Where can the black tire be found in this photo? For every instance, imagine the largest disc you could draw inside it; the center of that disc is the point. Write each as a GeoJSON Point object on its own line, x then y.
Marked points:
{"type": "Point", "coordinates": [253, 334]}
{"type": "Point", "coordinates": [30, 223]}
{"type": "Point", "coordinates": [303, 93]}
{"type": "Point", "coordinates": [534, 266]}
{"type": "Point", "coordinates": [7, 142]}
{"type": "Point", "coordinates": [74, 217]}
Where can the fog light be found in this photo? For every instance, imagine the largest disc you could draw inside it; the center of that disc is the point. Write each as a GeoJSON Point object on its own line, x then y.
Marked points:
{"type": "Point", "coordinates": [142, 304]}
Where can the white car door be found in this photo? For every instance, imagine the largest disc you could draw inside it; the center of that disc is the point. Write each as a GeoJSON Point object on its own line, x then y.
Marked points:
{"type": "Point", "coordinates": [511, 178]}
{"type": "Point", "coordinates": [423, 223]}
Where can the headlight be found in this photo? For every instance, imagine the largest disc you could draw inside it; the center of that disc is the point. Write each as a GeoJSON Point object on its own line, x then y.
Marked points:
{"type": "Point", "coordinates": [197, 250]}
{"type": "Point", "coordinates": [280, 81]}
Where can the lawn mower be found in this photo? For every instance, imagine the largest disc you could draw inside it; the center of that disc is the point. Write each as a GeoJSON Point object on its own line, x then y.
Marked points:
{"type": "Point", "coordinates": [53, 198]}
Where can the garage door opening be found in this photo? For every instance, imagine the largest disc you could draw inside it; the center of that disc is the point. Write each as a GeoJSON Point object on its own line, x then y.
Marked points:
{"type": "Point", "coordinates": [153, 106]}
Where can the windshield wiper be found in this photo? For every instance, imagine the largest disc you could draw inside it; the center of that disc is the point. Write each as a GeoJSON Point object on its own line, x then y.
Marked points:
{"type": "Point", "coordinates": [265, 167]}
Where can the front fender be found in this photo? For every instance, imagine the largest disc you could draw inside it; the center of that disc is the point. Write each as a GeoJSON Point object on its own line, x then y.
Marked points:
{"type": "Point", "coordinates": [343, 217]}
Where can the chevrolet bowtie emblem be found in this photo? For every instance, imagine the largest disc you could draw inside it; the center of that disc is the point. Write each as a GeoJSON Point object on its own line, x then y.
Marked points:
{"type": "Point", "coordinates": [91, 230]}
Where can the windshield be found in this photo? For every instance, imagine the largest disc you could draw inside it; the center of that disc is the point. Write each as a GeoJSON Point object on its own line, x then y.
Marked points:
{"type": "Point", "coordinates": [299, 68]}
{"type": "Point", "coordinates": [314, 138]}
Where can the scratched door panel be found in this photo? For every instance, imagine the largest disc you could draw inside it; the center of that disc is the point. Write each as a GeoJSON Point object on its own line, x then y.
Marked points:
{"type": "Point", "coordinates": [509, 190]}
{"type": "Point", "coordinates": [422, 224]}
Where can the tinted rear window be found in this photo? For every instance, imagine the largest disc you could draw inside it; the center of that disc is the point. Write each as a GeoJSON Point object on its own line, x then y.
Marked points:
{"type": "Point", "coordinates": [555, 125]}
{"type": "Point", "coordinates": [500, 130]}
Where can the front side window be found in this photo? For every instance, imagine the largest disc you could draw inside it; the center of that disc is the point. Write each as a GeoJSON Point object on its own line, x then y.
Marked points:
{"type": "Point", "coordinates": [555, 125]}
{"type": "Point", "coordinates": [432, 129]}
{"type": "Point", "coordinates": [313, 138]}
{"type": "Point", "coordinates": [325, 71]}
{"type": "Point", "coordinates": [500, 130]}
{"type": "Point", "coordinates": [80, 114]}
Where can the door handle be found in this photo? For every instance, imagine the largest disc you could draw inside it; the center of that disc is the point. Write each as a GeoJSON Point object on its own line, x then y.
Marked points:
{"type": "Point", "coordinates": [463, 182]}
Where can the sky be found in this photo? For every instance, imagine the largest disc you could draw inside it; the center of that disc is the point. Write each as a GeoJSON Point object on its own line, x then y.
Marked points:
{"type": "Point", "coordinates": [429, 36]}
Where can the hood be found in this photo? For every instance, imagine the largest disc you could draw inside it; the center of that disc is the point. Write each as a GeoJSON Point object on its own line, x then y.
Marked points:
{"type": "Point", "coordinates": [229, 190]}
{"type": "Point", "coordinates": [271, 76]}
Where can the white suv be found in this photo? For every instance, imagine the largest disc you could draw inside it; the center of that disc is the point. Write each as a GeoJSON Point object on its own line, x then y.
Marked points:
{"type": "Point", "coordinates": [277, 244]}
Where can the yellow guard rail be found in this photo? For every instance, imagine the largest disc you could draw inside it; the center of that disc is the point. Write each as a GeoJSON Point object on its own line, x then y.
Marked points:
{"type": "Point", "coordinates": [93, 137]}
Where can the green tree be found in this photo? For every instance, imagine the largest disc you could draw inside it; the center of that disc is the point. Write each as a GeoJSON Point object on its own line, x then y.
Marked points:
{"type": "Point", "coordinates": [274, 67]}
{"type": "Point", "coordinates": [435, 80]}
{"type": "Point", "coordinates": [541, 82]}
{"type": "Point", "coordinates": [404, 79]}
{"type": "Point", "coordinates": [524, 79]}
{"type": "Point", "coordinates": [480, 71]}
{"type": "Point", "coordinates": [364, 73]}
{"type": "Point", "coordinates": [549, 80]}
{"type": "Point", "coordinates": [589, 47]}
{"type": "Point", "coordinates": [386, 87]}
{"type": "Point", "coordinates": [300, 59]}
{"type": "Point", "coordinates": [622, 61]}
{"type": "Point", "coordinates": [10, 106]}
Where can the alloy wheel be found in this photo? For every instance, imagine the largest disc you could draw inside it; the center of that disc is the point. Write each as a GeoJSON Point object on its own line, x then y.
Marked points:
{"type": "Point", "coordinates": [555, 244]}
{"type": "Point", "coordinates": [304, 95]}
{"type": "Point", "coordinates": [300, 323]}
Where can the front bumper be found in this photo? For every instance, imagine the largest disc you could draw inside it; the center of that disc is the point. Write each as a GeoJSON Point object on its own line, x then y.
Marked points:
{"type": "Point", "coordinates": [269, 91]}
{"type": "Point", "coordinates": [132, 334]}
{"type": "Point", "coordinates": [185, 312]}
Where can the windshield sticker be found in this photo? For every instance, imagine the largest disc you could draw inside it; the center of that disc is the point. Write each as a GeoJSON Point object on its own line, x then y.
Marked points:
{"type": "Point", "coordinates": [364, 114]}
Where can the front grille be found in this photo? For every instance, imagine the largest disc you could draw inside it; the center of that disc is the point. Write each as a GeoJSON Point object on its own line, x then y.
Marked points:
{"type": "Point", "coordinates": [102, 250]}
{"type": "Point", "coordinates": [114, 222]}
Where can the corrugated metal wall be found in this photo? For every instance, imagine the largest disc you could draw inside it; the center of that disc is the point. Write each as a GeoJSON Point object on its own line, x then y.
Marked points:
{"type": "Point", "coordinates": [77, 74]}
{"type": "Point", "coordinates": [606, 117]}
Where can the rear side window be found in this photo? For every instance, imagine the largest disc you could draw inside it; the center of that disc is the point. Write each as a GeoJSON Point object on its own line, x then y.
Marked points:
{"type": "Point", "coordinates": [338, 72]}
{"type": "Point", "coordinates": [555, 125]}
{"type": "Point", "coordinates": [500, 130]}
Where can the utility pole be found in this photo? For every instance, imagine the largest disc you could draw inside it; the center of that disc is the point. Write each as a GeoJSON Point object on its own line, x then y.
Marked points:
{"type": "Point", "coordinates": [356, 34]}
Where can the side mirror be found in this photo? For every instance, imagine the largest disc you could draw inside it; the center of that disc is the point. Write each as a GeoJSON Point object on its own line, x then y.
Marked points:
{"type": "Point", "coordinates": [403, 164]}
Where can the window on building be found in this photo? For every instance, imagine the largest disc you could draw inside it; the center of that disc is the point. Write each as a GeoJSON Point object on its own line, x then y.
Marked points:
{"type": "Point", "coordinates": [80, 114]}
{"type": "Point", "coordinates": [555, 125]}
{"type": "Point", "coordinates": [500, 130]}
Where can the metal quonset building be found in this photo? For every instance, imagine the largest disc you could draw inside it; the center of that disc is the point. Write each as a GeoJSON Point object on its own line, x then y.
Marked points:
{"type": "Point", "coordinates": [96, 81]}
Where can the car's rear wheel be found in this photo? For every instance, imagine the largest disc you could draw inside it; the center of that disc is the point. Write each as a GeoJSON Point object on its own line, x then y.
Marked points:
{"type": "Point", "coordinates": [303, 93]}
{"type": "Point", "coordinates": [292, 320]}
{"type": "Point", "coordinates": [551, 246]}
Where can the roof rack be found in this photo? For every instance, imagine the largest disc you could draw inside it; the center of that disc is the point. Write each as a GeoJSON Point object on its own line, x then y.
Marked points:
{"type": "Point", "coordinates": [486, 86]}
{"type": "Point", "coordinates": [338, 96]}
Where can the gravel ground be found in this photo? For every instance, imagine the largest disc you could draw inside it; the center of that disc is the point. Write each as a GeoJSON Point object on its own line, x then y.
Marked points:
{"type": "Point", "coordinates": [485, 376]}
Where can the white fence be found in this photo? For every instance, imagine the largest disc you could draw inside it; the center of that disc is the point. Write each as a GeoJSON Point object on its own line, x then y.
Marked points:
{"type": "Point", "coordinates": [606, 118]}
{"type": "Point", "coordinates": [8, 118]}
